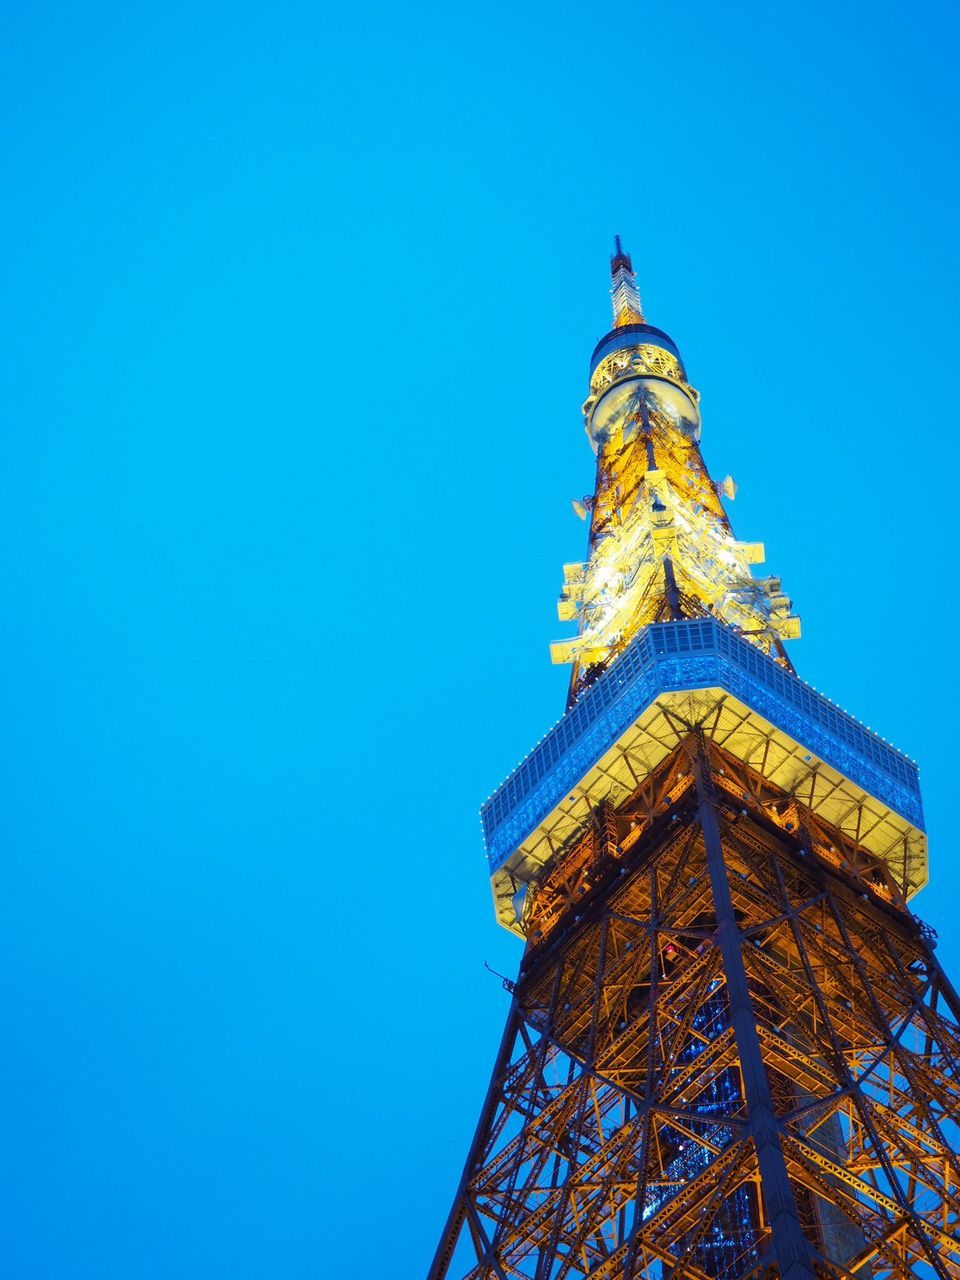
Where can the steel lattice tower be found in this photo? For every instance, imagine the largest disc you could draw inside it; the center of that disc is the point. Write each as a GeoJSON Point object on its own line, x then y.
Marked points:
{"type": "Point", "coordinates": [731, 1051]}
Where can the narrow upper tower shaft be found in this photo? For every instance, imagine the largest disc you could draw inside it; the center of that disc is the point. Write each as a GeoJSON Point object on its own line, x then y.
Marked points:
{"type": "Point", "coordinates": [661, 547]}
{"type": "Point", "coordinates": [627, 307]}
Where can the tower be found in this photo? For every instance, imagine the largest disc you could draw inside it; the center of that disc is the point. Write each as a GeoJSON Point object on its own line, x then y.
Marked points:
{"type": "Point", "coordinates": [730, 1051]}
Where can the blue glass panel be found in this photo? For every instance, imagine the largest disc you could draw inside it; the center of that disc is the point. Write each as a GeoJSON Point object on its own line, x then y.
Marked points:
{"type": "Point", "coordinates": [673, 657]}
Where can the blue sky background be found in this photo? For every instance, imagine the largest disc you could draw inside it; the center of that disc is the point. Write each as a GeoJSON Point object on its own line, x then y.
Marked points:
{"type": "Point", "coordinates": [298, 303]}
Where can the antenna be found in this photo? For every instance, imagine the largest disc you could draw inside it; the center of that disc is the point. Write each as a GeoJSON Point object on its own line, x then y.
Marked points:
{"type": "Point", "coordinates": [627, 307]}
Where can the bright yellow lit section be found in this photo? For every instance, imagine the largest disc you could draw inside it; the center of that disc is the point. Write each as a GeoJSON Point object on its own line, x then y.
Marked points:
{"type": "Point", "coordinates": [643, 358]}
{"type": "Point", "coordinates": [661, 545]}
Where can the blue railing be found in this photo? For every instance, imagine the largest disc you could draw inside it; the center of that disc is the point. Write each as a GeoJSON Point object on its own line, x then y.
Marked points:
{"type": "Point", "coordinates": [675, 656]}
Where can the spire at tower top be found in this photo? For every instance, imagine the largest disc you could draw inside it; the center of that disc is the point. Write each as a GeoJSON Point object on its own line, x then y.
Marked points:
{"type": "Point", "coordinates": [627, 307]}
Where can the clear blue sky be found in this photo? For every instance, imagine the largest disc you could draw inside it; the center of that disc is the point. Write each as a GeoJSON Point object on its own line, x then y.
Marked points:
{"type": "Point", "coordinates": [297, 305]}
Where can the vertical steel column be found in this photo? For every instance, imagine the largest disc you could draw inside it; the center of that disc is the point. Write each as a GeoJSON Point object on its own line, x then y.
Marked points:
{"type": "Point", "coordinates": [671, 589]}
{"type": "Point", "coordinates": [790, 1246]}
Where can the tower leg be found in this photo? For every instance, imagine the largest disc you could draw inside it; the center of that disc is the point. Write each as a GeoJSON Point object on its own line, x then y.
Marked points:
{"type": "Point", "coordinates": [459, 1210]}
{"type": "Point", "coordinates": [788, 1243]}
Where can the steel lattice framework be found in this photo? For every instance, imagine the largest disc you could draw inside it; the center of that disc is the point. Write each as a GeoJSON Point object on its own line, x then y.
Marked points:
{"type": "Point", "coordinates": [730, 1052]}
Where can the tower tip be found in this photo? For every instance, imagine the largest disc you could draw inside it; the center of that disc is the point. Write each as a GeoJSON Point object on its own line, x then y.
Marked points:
{"type": "Point", "coordinates": [619, 258]}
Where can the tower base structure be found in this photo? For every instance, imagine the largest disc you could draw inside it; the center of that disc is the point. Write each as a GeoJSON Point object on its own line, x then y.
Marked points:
{"type": "Point", "coordinates": [730, 1051]}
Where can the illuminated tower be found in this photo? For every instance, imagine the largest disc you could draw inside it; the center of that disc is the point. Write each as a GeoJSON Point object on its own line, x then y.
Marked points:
{"type": "Point", "coordinates": [730, 1051]}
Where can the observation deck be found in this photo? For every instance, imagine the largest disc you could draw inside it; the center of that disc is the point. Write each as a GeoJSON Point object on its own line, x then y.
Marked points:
{"type": "Point", "coordinates": [699, 672]}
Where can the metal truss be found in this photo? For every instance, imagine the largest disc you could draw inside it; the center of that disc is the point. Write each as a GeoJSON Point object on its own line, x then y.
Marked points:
{"type": "Point", "coordinates": [730, 1053]}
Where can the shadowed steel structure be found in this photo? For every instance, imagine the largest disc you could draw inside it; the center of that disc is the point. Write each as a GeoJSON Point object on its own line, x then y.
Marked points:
{"type": "Point", "coordinates": [730, 1051]}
